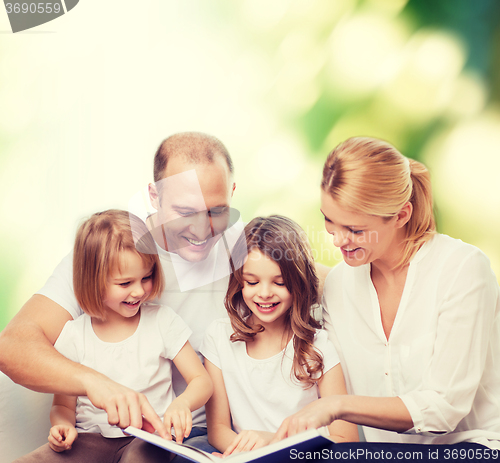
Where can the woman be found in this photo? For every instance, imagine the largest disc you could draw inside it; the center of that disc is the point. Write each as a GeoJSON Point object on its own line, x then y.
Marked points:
{"type": "Point", "coordinates": [413, 314]}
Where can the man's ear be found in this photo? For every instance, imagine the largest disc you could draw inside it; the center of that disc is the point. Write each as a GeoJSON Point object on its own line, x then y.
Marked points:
{"type": "Point", "coordinates": [404, 215]}
{"type": "Point", "coordinates": [153, 196]}
{"type": "Point", "coordinates": [234, 188]}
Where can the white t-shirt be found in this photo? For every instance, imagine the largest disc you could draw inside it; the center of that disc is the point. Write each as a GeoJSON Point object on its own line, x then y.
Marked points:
{"type": "Point", "coordinates": [442, 357]}
{"type": "Point", "coordinates": [198, 306]}
{"type": "Point", "coordinates": [261, 392]}
{"type": "Point", "coordinates": [142, 362]}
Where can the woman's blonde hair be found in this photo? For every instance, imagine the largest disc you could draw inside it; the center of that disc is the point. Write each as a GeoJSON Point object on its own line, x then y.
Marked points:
{"type": "Point", "coordinates": [98, 245]}
{"type": "Point", "coordinates": [370, 176]}
{"type": "Point", "coordinates": [284, 242]}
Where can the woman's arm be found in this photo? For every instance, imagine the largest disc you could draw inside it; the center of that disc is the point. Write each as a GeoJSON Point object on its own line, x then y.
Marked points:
{"type": "Point", "coordinates": [332, 383]}
{"type": "Point", "coordinates": [379, 412]}
{"type": "Point", "coordinates": [464, 352]}
{"type": "Point", "coordinates": [198, 391]}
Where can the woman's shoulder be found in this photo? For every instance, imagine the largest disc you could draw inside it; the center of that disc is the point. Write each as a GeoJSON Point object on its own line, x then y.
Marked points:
{"type": "Point", "coordinates": [452, 252]}
{"type": "Point", "coordinates": [450, 262]}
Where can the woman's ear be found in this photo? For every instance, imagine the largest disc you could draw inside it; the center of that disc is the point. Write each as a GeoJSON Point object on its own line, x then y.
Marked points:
{"type": "Point", "coordinates": [404, 215]}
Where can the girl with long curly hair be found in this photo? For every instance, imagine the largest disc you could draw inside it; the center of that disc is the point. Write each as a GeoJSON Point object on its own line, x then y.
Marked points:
{"type": "Point", "coordinates": [270, 357]}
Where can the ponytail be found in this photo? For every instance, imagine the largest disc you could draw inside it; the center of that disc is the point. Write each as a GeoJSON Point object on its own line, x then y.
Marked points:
{"type": "Point", "coordinates": [421, 225]}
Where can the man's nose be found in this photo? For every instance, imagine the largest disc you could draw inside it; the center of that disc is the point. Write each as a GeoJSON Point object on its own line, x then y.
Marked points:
{"type": "Point", "coordinates": [201, 225]}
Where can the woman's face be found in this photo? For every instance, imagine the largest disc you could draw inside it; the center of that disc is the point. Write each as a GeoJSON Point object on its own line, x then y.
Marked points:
{"type": "Point", "coordinates": [362, 238]}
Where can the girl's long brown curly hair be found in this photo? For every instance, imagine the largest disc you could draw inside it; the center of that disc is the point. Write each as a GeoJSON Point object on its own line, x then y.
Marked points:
{"type": "Point", "coordinates": [284, 242]}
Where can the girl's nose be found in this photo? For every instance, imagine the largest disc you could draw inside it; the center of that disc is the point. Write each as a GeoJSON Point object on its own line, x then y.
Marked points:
{"type": "Point", "coordinates": [265, 291]}
{"type": "Point", "coordinates": [137, 290]}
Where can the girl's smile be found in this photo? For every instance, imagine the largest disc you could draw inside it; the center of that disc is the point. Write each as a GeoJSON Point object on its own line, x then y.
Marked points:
{"type": "Point", "coordinates": [128, 286]}
{"type": "Point", "coordinates": [264, 291]}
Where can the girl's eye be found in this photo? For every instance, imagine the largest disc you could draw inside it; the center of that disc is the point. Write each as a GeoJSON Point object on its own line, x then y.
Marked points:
{"type": "Point", "coordinates": [280, 284]}
{"type": "Point", "coordinates": [147, 278]}
{"type": "Point", "coordinates": [355, 232]}
{"type": "Point", "coordinates": [251, 283]}
{"type": "Point", "coordinates": [124, 285]}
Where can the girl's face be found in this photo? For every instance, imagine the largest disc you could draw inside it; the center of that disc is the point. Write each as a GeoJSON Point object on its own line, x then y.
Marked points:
{"type": "Point", "coordinates": [128, 286]}
{"type": "Point", "coordinates": [264, 291]}
{"type": "Point", "coordinates": [362, 238]}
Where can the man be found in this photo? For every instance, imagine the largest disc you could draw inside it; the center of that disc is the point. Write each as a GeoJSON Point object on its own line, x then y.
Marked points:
{"type": "Point", "coordinates": [202, 173]}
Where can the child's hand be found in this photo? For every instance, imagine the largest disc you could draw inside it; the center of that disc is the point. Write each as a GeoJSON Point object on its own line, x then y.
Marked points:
{"type": "Point", "coordinates": [248, 440]}
{"type": "Point", "coordinates": [178, 416]}
{"type": "Point", "coordinates": [61, 437]}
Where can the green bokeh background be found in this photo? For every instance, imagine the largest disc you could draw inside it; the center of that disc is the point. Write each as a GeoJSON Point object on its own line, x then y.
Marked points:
{"type": "Point", "coordinates": [86, 99]}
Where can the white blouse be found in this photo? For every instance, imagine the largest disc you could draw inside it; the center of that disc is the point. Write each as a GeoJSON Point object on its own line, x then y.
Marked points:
{"type": "Point", "coordinates": [442, 357]}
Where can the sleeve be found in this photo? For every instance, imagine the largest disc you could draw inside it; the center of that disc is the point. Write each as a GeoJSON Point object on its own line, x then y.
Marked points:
{"type": "Point", "coordinates": [173, 330]}
{"type": "Point", "coordinates": [70, 341]}
{"type": "Point", "coordinates": [327, 349]}
{"type": "Point", "coordinates": [209, 345]}
{"type": "Point", "coordinates": [466, 320]}
{"type": "Point", "coordinates": [59, 287]}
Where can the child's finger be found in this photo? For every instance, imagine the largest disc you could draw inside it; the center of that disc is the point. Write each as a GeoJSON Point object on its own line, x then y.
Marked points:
{"type": "Point", "coordinates": [56, 448]}
{"type": "Point", "coordinates": [56, 445]}
{"type": "Point", "coordinates": [167, 422]}
{"type": "Point", "coordinates": [55, 434]}
{"type": "Point", "coordinates": [71, 436]}
{"type": "Point", "coordinates": [245, 444]}
{"type": "Point", "coordinates": [179, 428]}
{"type": "Point", "coordinates": [188, 425]}
{"type": "Point", "coordinates": [232, 445]}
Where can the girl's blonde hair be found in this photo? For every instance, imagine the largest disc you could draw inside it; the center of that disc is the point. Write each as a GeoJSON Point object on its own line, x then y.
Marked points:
{"type": "Point", "coordinates": [284, 242]}
{"type": "Point", "coordinates": [98, 245]}
{"type": "Point", "coordinates": [370, 176]}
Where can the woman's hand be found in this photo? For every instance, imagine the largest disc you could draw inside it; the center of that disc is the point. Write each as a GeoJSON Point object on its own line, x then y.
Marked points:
{"type": "Point", "coordinates": [178, 416]}
{"type": "Point", "coordinates": [248, 440]}
{"type": "Point", "coordinates": [319, 413]}
{"type": "Point", "coordinates": [61, 437]}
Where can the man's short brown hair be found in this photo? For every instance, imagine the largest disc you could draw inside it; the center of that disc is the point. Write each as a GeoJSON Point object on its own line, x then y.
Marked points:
{"type": "Point", "coordinates": [195, 147]}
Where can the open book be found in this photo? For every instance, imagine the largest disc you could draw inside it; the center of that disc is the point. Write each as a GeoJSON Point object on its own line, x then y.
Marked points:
{"type": "Point", "coordinates": [308, 441]}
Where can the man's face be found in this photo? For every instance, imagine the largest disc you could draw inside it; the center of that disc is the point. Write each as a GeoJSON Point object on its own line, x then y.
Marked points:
{"type": "Point", "coordinates": [193, 207]}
